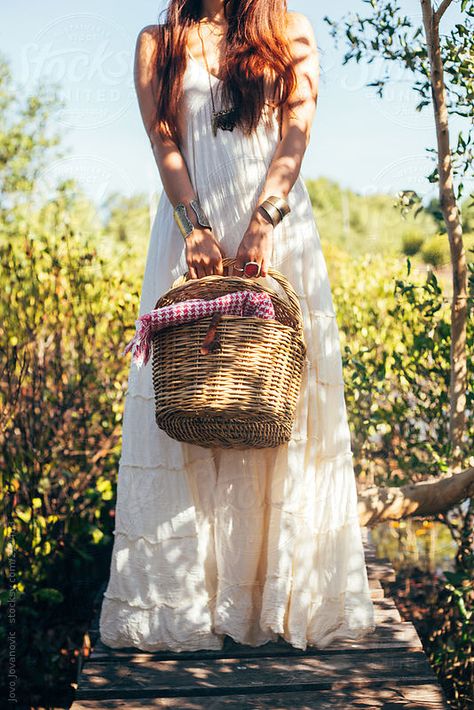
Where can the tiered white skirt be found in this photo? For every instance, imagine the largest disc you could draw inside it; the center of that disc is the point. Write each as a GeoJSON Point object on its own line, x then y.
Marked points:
{"type": "Point", "coordinates": [250, 543]}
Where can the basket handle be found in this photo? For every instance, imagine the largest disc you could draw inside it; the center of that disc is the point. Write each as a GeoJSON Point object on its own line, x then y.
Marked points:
{"type": "Point", "coordinates": [274, 273]}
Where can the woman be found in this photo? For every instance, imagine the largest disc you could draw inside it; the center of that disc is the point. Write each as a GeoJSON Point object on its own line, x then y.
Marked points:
{"type": "Point", "coordinates": [252, 543]}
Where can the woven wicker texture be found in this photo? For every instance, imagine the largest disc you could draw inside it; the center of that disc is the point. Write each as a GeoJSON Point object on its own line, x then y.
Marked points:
{"type": "Point", "coordinates": [243, 395]}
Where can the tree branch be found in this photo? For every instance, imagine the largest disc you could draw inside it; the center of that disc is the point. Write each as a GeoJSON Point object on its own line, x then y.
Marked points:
{"type": "Point", "coordinates": [430, 497]}
{"type": "Point", "coordinates": [454, 228]}
{"type": "Point", "coordinates": [438, 14]}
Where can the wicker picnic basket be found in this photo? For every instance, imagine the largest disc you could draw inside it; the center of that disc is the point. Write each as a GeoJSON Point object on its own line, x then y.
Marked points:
{"type": "Point", "coordinates": [244, 393]}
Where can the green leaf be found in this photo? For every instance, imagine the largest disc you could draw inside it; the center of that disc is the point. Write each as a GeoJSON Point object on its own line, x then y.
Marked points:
{"type": "Point", "coordinates": [49, 594]}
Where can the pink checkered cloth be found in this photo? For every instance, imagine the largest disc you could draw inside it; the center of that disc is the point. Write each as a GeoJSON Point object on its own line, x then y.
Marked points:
{"type": "Point", "coordinates": [237, 303]}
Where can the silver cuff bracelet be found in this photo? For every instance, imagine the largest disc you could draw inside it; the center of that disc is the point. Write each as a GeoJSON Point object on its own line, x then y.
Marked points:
{"type": "Point", "coordinates": [181, 217]}
{"type": "Point", "coordinates": [276, 208]}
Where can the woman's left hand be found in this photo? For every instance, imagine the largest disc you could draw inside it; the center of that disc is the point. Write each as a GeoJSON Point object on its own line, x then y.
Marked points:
{"type": "Point", "coordinates": [256, 245]}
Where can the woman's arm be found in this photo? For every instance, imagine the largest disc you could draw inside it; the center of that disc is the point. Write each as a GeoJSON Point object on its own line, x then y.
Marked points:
{"type": "Point", "coordinates": [203, 252]}
{"type": "Point", "coordinates": [256, 244]}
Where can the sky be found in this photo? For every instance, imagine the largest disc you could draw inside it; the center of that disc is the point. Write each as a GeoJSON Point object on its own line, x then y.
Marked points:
{"type": "Point", "coordinates": [365, 143]}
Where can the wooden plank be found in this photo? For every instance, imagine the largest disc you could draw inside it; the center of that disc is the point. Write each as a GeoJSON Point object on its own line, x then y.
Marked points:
{"type": "Point", "coordinates": [386, 611]}
{"type": "Point", "coordinates": [376, 589]}
{"type": "Point", "coordinates": [396, 636]}
{"type": "Point", "coordinates": [386, 615]}
{"type": "Point", "coordinates": [348, 674]}
{"type": "Point", "coordinates": [230, 676]}
{"type": "Point", "coordinates": [381, 569]}
{"type": "Point", "coordinates": [424, 696]}
{"type": "Point", "coordinates": [370, 557]}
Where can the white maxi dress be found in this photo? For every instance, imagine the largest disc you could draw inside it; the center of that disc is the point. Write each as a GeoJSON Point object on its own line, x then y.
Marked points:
{"type": "Point", "coordinates": [255, 544]}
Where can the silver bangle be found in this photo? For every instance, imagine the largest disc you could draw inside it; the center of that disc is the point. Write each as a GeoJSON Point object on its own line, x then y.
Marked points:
{"type": "Point", "coordinates": [276, 208]}
{"type": "Point", "coordinates": [200, 216]}
{"type": "Point", "coordinates": [181, 217]}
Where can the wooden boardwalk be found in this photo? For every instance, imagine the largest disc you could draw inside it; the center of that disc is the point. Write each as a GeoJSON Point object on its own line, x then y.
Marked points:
{"type": "Point", "coordinates": [388, 669]}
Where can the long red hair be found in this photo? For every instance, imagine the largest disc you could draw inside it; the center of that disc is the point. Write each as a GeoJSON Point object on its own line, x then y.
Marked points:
{"type": "Point", "coordinates": [256, 43]}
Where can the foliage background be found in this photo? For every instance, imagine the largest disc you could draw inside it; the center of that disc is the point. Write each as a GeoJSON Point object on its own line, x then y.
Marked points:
{"type": "Point", "coordinates": [70, 275]}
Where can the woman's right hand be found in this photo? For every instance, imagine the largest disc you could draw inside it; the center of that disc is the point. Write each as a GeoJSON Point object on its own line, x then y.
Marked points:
{"type": "Point", "coordinates": [204, 254]}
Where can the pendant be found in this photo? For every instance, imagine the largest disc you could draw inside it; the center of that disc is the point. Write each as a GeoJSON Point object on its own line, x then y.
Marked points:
{"type": "Point", "coordinates": [224, 119]}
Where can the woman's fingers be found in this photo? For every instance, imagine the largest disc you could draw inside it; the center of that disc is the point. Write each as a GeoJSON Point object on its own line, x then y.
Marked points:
{"type": "Point", "coordinates": [206, 256]}
{"type": "Point", "coordinates": [240, 264]}
{"type": "Point", "coordinates": [201, 269]}
{"type": "Point", "coordinates": [219, 268]}
{"type": "Point", "coordinates": [237, 268]}
{"type": "Point", "coordinates": [205, 260]}
{"type": "Point", "coordinates": [198, 270]}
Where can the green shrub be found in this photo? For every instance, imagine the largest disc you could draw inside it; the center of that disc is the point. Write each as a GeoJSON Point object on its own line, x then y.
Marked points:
{"type": "Point", "coordinates": [65, 314]}
{"type": "Point", "coordinates": [395, 339]}
{"type": "Point", "coordinates": [412, 240]}
{"type": "Point", "coordinates": [435, 250]}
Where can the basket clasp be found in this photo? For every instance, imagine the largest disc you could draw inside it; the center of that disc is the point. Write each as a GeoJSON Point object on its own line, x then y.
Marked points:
{"type": "Point", "coordinates": [211, 342]}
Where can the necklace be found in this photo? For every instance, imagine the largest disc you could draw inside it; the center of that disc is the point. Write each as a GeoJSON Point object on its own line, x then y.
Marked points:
{"type": "Point", "coordinates": [213, 24]}
{"type": "Point", "coordinates": [220, 119]}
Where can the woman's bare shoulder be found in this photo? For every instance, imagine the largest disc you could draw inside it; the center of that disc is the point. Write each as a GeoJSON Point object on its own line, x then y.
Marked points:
{"type": "Point", "coordinates": [146, 45]}
{"type": "Point", "coordinates": [145, 55]}
{"type": "Point", "coordinates": [149, 37]}
{"type": "Point", "coordinates": [149, 33]}
{"type": "Point", "coordinates": [299, 28]}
